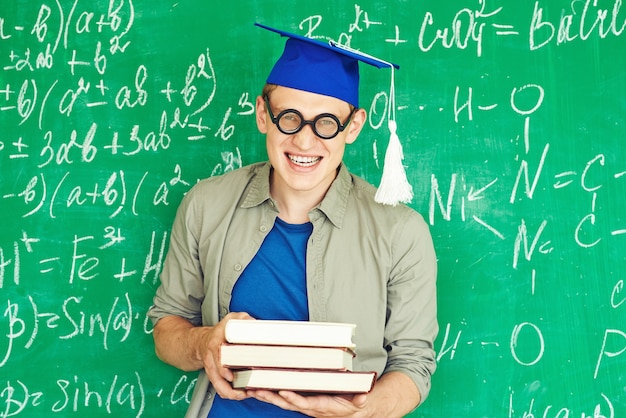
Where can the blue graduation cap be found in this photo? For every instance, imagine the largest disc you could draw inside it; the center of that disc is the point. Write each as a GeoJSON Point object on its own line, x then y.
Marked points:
{"type": "Point", "coordinates": [332, 69]}
{"type": "Point", "coordinates": [326, 68]}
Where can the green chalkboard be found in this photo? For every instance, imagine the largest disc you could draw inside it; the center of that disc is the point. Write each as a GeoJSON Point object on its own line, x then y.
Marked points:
{"type": "Point", "coordinates": [513, 120]}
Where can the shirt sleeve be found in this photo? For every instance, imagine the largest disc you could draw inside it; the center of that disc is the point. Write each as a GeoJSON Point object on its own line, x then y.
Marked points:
{"type": "Point", "coordinates": [181, 291]}
{"type": "Point", "coordinates": [412, 304]}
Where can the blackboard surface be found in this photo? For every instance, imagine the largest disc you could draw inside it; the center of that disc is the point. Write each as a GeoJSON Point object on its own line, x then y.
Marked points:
{"type": "Point", "coordinates": [512, 116]}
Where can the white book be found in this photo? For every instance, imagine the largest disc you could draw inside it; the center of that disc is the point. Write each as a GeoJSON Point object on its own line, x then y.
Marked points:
{"type": "Point", "coordinates": [305, 380]}
{"type": "Point", "coordinates": [286, 356]}
{"type": "Point", "coordinates": [299, 333]}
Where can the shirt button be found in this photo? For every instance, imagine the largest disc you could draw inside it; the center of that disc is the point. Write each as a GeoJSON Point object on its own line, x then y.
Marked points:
{"type": "Point", "coordinates": [263, 228]}
{"type": "Point", "coordinates": [237, 267]}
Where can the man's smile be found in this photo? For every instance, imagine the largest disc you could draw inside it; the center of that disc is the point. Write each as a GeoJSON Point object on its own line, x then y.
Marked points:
{"type": "Point", "coordinates": [303, 161]}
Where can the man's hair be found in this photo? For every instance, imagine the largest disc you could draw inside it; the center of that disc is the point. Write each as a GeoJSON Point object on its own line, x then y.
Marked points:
{"type": "Point", "coordinates": [268, 88]}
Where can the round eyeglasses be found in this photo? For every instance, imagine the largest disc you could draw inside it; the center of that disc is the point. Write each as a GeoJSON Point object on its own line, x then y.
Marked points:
{"type": "Point", "coordinates": [291, 121]}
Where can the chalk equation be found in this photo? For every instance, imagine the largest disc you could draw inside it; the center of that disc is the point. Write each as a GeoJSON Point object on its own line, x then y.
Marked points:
{"type": "Point", "coordinates": [84, 258]}
{"type": "Point", "coordinates": [92, 124]}
{"type": "Point", "coordinates": [444, 200]}
{"type": "Point", "coordinates": [469, 28]}
{"type": "Point", "coordinates": [121, 395]}
{"type": "Point", "coordinates": [24, 320]}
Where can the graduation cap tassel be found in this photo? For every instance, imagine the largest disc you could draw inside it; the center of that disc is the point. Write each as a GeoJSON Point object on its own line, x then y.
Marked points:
{"type": "Point", "coordinates": [331, 69]}
{"type": "Point", "coordinates": [394, 186]}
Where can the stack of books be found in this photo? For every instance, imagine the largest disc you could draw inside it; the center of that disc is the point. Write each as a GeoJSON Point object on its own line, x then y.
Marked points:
{"type": "Point", "coordinates": [300, 356]}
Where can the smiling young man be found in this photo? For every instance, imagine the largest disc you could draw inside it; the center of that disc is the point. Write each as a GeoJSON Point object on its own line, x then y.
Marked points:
{"type": "Point", "coordinates": [304, 165]}
{"type": "Point", "coordinates": [300, 238]}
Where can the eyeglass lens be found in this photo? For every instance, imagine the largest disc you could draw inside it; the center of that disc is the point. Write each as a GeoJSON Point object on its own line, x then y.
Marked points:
{"type": "Point", "coordinates": [290, 121]}
{"type": "Point", "coordinates": [325, 126]}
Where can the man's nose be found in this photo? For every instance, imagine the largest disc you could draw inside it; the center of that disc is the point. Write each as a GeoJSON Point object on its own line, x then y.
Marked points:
{"type": "Point", "coordinates": [306, 137]}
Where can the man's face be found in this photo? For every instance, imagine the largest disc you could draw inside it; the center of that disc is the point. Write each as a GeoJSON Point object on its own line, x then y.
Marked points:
{"type": "Point", "coordinates": [304, 162]}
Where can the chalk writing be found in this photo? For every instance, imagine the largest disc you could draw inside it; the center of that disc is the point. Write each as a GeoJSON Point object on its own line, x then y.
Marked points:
{"type": "Point", "coordinates": [114, 394]}
{"type": "Point", "coordinates": [25, 321]}
{"type": "Point", "coordinates": [581, 21]}
{"type": "Point", "coordinates": [602, 409]}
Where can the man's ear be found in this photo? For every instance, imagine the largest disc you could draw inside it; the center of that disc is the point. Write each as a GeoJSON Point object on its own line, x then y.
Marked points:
{"type": "Point", "coordinates": [261, 115]}
{"type": "Point", "coordinates": [356, 124]}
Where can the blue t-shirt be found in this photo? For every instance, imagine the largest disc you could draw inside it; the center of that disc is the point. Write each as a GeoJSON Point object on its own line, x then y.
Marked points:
{"type": "Point", "coordinates": [273, 286]}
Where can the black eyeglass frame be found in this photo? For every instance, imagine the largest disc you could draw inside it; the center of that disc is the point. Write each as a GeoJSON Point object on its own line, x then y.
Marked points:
{"type": "Point", "coordinates": [275, 120]}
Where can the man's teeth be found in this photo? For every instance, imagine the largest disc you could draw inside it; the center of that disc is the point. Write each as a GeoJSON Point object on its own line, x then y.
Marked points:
{"type": "Point", "coordinates": [304, 161]}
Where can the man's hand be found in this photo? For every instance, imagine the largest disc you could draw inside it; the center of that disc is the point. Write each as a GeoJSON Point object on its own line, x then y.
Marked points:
{"type": "Point", "coordinates": [394, 395]}
{"type": "Point", "coordinates": [180, 343]}
{"type": "Point", "coordinates": [314, 405]}
{"type": "Point", "coordinates": [210, 344]}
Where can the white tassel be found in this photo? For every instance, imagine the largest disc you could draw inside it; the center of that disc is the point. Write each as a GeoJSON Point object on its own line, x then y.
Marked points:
{"type": "Point", "coordinates": [394, 186]}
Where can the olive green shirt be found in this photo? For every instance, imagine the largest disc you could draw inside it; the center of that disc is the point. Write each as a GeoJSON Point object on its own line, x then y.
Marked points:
{"type": "Point", "coordinates": [368, 264]}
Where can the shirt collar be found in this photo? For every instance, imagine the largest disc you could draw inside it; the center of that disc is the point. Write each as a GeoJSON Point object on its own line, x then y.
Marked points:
{"type": "Point", "coordinates": [259, 189]}
{"type": "Point", "coordinates": [336, 200]}
{"type": "Point", "coordinates": [333, 206]}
